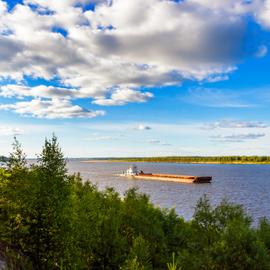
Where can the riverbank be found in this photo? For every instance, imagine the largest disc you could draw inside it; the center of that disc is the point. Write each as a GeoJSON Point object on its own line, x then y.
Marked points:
{"type": "Point", "coordinates": [180, 162]}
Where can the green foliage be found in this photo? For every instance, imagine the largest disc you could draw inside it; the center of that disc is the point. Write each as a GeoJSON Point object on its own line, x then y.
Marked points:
{"type": "Point", "coordinates": [222, 238]}
{"type": "Point", "coordinates": [51, 161]}
{"type": "Point", "coordinates": [51, 209]}
{"type": "Point", "coordinates": [52, 220]}
{"type": "Point", "coordinates": [239, 248]}
{"type": "Point", "coordinates": [139, 257]}
{"type": "Point", "coordinates": [17, 157]}
{"type": "Point", "coordinates": [173, 265]}
{"type": "Point", "coordinates": [264, 232]}
{"type": "Point", "coordinates": [201, 159]}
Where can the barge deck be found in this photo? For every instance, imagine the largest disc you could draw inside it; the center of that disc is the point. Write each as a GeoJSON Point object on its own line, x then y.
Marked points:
{"type": "Point", "coordinates": [189, 179]}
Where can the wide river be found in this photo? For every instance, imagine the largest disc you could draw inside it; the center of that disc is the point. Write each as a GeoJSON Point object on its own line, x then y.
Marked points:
{"type": "Point", "coordinates": [248, 185]}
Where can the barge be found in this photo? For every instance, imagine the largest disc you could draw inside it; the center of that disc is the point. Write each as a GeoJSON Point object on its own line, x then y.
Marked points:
{"type": "Point", "coordinates": [133, 172]}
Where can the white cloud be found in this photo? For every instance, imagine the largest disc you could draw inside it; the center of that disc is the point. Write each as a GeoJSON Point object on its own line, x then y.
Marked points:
{"type": "Point", "coordinates": [263, 13]}
{"type": "Point", "coordinates": [239, 137]}
{"type": "Point", "coordinates": [184, 139]}
{"type": "Point", "coordinates": [234, 124]}
{"type": "Point", "coordinates": [190, 39]}
{"type": "Point", "coordinates": [7, 131]}
{"type": "Point", "coordinates": [51, 109]}
{"type": "Point", "coordinates": [108, 54]}
{"type": "Point", "coordinates": [100, 138]}
{"type": "Point", "coordinates": [123, 96]}
{"type": "Point", "coordinates": [41, 91]}
{"type": "Point", "coordinates": [3, 7]}
{"type": "Point", "coordinates": [142, 127]}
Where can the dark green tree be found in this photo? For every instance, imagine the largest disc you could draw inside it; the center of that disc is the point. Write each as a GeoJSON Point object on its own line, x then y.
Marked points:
{"type": "Point", "coordinates": [13, 194]}
{"type": "Point", "coordinates": [17, 158]}
{"type": "Point", "coordinates": [51, 223]}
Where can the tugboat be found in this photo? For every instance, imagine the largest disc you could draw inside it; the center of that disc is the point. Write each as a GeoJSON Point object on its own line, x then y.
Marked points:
{"type": "Point", "coordinates": [189, 179]}
{"type": "Point", "coordinates": [132, 171]}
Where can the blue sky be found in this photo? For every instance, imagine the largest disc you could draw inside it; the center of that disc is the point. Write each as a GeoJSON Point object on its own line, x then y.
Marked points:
{"type": "Point", "coordinates": [111, 80]}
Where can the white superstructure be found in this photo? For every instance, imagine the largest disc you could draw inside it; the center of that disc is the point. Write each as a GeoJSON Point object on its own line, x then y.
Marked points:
{"type": "Point", "coordinates": [132, 171]}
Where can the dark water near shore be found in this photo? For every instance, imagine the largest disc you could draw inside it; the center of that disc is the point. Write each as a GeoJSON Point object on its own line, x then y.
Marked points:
{"type": "Point", "coordinates": [248, 185]}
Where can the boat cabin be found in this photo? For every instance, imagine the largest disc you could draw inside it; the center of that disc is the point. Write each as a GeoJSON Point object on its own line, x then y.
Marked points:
{"type": "Point", "coordinates": [133, 170]}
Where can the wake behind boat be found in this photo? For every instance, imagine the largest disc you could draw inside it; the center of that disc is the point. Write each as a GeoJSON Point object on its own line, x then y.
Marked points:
{"type": "Point", "coordinates": [189, 179]}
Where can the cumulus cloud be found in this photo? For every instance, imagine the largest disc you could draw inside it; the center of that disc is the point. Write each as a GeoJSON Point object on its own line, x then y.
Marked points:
{"type": "Point", "coordinates": [123, 96]}
{"type": "Point", "coordinates": [41, 91]}
{"type": "Point", "coordinates": [109, 53]}
{"type": "Point", "coordinates": [263, 13]}
{"type": "Point", "coordinates": [234, 124]}
{"type": "Point", "coordinates": [238, 137]}
{"type": "Point", "coordinates": [55, 108]}
{"type": "Point", "coordinates": [3, 7]}
{"type": "Point", "coordinates": [100, 138]}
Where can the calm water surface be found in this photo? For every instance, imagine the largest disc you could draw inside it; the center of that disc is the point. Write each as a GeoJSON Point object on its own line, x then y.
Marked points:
{"type": "Point", "coordinates": [248, 185]}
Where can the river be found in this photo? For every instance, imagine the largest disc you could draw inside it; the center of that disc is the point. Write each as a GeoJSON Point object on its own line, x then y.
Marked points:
{"type": "Point", "coordinates": [248, 185]}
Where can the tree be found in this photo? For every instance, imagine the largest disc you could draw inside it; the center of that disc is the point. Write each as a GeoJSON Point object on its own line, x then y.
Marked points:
{"type": "Point", "coordinates": [13, 187]}
{"type": "Point", "coordinates": [17, 158]}
{"type": "Point", "coordinates": [51, 226]}
{"type": "Point", "coordinates": [52, 161]}
{"type": "Point", "coordinates": [139, 257]}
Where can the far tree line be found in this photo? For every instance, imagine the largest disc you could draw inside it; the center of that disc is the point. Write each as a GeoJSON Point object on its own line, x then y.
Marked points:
{"type": "Point", "coordinates": [189, 159]}
{"type": "Point", "coordinates": [200, 159]}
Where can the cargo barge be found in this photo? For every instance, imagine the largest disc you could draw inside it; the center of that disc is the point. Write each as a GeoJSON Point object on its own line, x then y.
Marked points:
{"type": "Point", "coordinates": [133, 172]}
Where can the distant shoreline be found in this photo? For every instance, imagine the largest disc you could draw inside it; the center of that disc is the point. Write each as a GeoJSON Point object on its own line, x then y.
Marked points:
{"type": "Point", "coordinates": [180, 162]}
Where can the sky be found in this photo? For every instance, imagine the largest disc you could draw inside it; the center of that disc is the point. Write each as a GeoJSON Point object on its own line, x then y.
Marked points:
{"type": "Point", "coordinates": [136, 78]}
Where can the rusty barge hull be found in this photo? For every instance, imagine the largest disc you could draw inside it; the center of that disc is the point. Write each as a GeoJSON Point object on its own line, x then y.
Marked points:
{"type": "Point", "coordinates": [188, 179]}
